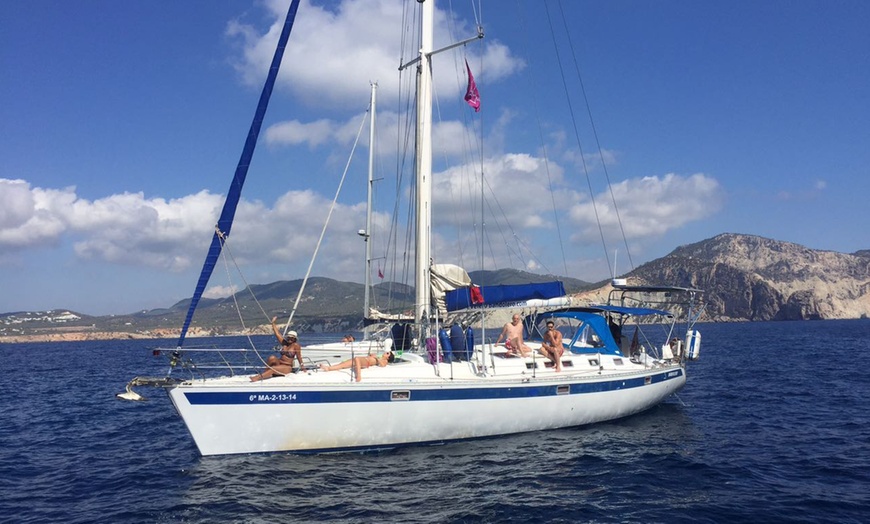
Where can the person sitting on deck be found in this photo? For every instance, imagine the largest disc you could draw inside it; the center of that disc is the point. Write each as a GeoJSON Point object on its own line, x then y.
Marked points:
{"type": "Point", "coordinates": [360, 363]}
{"type": "Point", "coordinates": [290, 349]}
{"type": "Point", "coordinates": [513, 338]}
{"type": "Point", "coordinates": [552, 347]}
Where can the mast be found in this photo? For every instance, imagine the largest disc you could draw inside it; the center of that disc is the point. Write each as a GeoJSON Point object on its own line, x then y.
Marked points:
{"type": "Point", "coordinates": [368, 232]}
{"type": "Point", "coordinates": [424, 164]}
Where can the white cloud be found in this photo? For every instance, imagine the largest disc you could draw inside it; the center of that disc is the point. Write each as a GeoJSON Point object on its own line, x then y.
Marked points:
{"type": "Point", "coordinates": [802, 195]}
{"type": "Point", "coordinates": [294, 132]}
{"type": "Point", "coordinates": [32, 217]}
{"type": "Point", "coordinates": [517, 188]}
{"type": "Point", "coordinates": [129, 229]}
{"type": "Point", "coordinates": [450, 138]}
{"type": "Point", "coordinates": [276, 241]}
{"type": "Point", "coordinates": [648, 207]}
{"type": "Point", "coordinates": [219, 291]}
{"type": "Point", "coordinates": [520, 215]}
{"type": "Point", "coordinates": [17, 203]}
{"type": "Point", "coordinates": [336, 52]}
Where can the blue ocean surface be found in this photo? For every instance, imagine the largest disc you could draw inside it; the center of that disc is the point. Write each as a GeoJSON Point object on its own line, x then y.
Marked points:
{"type": "Point", "coordinates": [773, 426]}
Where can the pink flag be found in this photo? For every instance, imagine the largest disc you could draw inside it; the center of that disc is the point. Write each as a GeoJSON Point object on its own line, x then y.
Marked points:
{"type": "Point", "coordinates": [471, 94]}
{"type": "Point", "coordinates": [380, 273]}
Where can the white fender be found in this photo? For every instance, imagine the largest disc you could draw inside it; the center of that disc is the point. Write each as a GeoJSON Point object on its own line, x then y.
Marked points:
{"type": "Point", "coordinates": [693, 343]}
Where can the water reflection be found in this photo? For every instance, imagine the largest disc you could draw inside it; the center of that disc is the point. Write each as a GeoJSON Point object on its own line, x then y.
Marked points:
{"type": "Point", "coordinates": [491, 479]}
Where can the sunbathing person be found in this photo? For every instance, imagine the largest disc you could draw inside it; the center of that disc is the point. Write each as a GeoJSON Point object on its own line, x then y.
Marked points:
{"type": "Point", "coordinates": [360, 363]}
{"type": "Point", "coordinates": [290, 350]}
{"type": "Point", "coordinates": [513, 338]}
{"type": "Point", "coordinates": [552, 347]}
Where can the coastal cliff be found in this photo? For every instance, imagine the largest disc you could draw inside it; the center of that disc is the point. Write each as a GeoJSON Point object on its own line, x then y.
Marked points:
{"type": "Point", "coordinates": [748, 277]}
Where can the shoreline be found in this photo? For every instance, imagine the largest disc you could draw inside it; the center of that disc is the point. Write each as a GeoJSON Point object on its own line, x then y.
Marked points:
{"type": "Point", "coordinates": [153, 334]}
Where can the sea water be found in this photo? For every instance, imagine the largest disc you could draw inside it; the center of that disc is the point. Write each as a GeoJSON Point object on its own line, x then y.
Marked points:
{"type": "Point", "coordinates": [773, 426]}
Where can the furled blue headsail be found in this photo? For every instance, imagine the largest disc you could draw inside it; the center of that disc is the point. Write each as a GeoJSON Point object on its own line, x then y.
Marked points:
{"type": "Point", "coordinates": [446, 345]}
{"type": "Point", "coordinates": [503, 295]}
{"type": "Point", "coordinates": [225, 222]}
{"type": "Point", "coordinates": [458, 341]}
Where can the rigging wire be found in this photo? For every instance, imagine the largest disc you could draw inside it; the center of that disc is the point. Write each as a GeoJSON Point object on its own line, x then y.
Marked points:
{"type": "Point", "coordinates": [382, 236]}
{"type": "Point", "coordinates": [471, 143]}
{"type": "Point", "coordinates": [326, 224]}
{"type": "Point", "coordinates": [397, 270]}
{"type": "Point", "coordinates": [478, 20]}
{"type": "Point", "coordinates": [597, 141]}
{"type": "Point", "coordinates": [515, 236]}
{"type": "Point", "coordinates": [483, 207]}
{"type": "Point", "coordinates": [227, 255]}
{"type": "Point", "coordinates": [537, 113]}
{"type": "Point", "coordinates": [577, 135]}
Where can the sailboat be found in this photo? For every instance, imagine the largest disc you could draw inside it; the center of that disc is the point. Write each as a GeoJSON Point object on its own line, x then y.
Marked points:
{"type": "Point", "coordinates": [611, 364]}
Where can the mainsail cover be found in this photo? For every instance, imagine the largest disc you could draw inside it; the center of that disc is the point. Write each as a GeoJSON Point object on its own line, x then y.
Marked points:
{"type": "Point", "coordinates": [503, 295]}
{"type": "Point", "coordinates": [225, 222]}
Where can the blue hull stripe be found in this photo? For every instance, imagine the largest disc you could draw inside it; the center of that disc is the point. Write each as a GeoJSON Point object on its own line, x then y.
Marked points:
{"type": "Point", "coordinates": [305, 396]}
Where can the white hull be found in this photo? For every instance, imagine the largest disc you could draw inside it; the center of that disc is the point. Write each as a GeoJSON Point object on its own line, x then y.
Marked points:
{"type": "Point", "coordinates": [327, 411]}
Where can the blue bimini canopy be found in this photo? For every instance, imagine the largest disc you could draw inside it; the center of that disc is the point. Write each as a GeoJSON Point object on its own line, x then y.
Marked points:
{"type": "Point", "coordinates": [593, 317]}
{"type": "Point", "coordinates": [632, 311]}
{"type": "Point", "coordinates": [504, 295]}
{"type": "Point", "coordinates": [592, 334]}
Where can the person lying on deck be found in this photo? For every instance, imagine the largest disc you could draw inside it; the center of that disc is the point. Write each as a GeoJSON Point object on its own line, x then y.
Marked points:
{"type": "Point", "coordinates": [513, 338]}
{"type": "Point", "coordinates": [290, 349]}
{"type": "Point", "coordinates": [360, 363]}
{"type": "Point", "coordinates": [552, 347]}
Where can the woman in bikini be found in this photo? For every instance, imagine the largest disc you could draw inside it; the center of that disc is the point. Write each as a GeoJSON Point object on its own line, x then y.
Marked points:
{"type": "Point", "coordinates": [360, 363]}
{"type": "Point", "coordinates": [283, 365]}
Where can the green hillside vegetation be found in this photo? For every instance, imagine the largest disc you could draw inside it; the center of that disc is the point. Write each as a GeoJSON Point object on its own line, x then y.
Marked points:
{"type": "Point", "coordinates": [327, 305]}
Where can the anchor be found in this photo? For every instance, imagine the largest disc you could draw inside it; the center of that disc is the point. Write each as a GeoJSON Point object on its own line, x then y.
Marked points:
{"type": "Point", "coordinates": [129, 394]}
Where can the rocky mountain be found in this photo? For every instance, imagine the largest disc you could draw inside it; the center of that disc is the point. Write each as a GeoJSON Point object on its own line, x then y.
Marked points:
{"type": "Point", "coordinates": [748, 277]}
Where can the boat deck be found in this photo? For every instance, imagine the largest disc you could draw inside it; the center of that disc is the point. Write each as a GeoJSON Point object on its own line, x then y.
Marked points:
{"type": "Point", "coordinates": [487, 366]}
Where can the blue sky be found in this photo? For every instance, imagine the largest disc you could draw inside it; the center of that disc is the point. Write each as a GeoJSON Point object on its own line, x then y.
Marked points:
{"type": "Point", "coordinates": [121, 124]}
